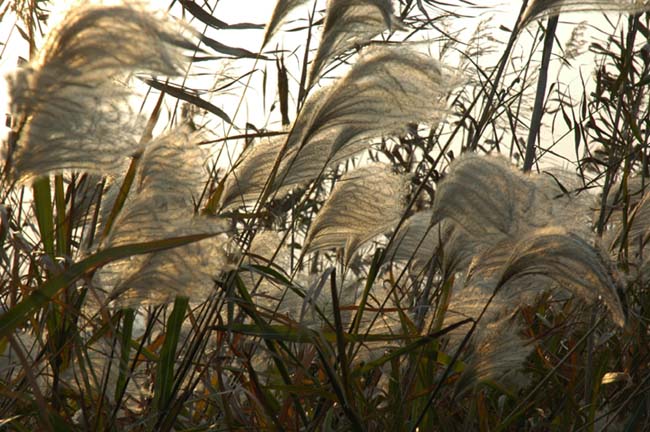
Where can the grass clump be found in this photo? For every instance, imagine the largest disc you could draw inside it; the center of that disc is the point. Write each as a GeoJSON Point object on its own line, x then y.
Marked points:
{"type": "Point", "coordinates": [398, 257]}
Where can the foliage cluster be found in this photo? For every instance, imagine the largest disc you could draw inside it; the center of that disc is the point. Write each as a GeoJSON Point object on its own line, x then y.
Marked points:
{"type": "Point", "coordinates": [400, 256]}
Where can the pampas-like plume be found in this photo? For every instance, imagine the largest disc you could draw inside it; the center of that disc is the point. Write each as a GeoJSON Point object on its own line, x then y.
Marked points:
{"type": "Point", "coordinates": [282, 9]}
{"type": "Point", "coordinates": [246, 182]}
{"type": "Point", "coordinates": [491, 200]}
{"type": "Point", "coordinates": [68, 112]}
{"type": "Point", "coordinates": [266, 249]}
{"type": "Point", "coordinates": [170, 170]}
{"type": "Point", "coordinates": [169, 176]}
{"type": "Point", "coordinates": [187, 271]}
{"type": "Point", "coordinates": [544, 8]}
{"type": "Point", "coordinates": [485, 196]}
{"type": "Point", "coordinates": [365, 202]}
{"type": "Point", "coordinates": [571, 262]}
{"type": "Point", "coordinates": [417, 240]}
{"type": "Point", "coordinates": [349, 23]}
{"type": "Point", "coordinates": [397, 85]}
{"type": "Point", "coordinates": [499, 355]}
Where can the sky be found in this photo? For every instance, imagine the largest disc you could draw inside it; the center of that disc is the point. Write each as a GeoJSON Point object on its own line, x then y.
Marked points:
{"type": "Point", "coordinates": [254, 108]}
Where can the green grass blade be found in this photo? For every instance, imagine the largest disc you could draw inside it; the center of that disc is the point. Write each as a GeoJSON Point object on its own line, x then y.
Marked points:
{"type": "Point", "coordinates": [165, 371]}
{"type": "Point", "coordinates": [42, 295]}
{"type": "Point", "coordinates": [44, 212]}
{"type": "Point", "coordinates": [61, 226]}
{"type": "Point", "coordinates": [125, 345]}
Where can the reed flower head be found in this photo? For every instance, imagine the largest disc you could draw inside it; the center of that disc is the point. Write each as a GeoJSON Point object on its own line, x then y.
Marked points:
{"type": "Point", "coordinates": [544, 8]}
{"type": "Point", "coordinates": [349, 23]}
{"type": "Point", "coordinates": [365, 202]}
{"type": "Point", "coordinates": [280, 12]}
{"type": "Point", "coordinates": [171, 169]}
{"type": "Point", "coordinates": [68, 110]}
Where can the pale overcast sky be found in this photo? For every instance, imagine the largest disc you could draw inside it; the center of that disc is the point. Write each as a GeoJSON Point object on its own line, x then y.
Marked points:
{"type": "Point", "coordinates": [259, 11]}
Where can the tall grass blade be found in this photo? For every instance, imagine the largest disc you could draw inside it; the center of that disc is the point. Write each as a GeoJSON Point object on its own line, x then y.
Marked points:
{"type": "Point", "coordinates": [165, 370]}
{"type": "Point", "coordinates": [44, 213]}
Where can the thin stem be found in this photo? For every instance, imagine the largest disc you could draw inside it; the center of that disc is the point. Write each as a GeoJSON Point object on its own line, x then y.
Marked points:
{"type": "Point", "coordinates": [538, 110]}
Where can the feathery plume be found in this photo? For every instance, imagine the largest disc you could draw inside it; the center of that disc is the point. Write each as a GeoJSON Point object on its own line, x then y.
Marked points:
{"type": "Point", "coordinates": [169, 176]}
{"type": "Point", "coordinates": [481, 279]}
{"type": "Point", "coordinates": [498, 356]}
{"type": "Point", "coordinates": [398, 85]}
{"type": "Point", "coordinates": [365, 202]}
{"type": "Point", "coordinates": [246, 182]}
{"type": "Point", "coordinates": [395, 84]}
{"type": "Point", "coordinates": [484, 196]}
{"type": "Point", "coordinates": [458, 250]}
{"type": "Point", "coordinates": [560, 200]}
{"type": "Point", "coordinates": [187, 271]}
{"type": "Point", "coordinates": [68, 112]}
{"type": "Point", "coordinates": [484, 275]}
{"type": "Point", "coordinates": [568, 260]}
{"type": "Point", "coordinates": [349, 23]}
{"type": "Point", "coordinates": [545, 8]}
{"type": "Point", "coordinates": [417, 240]}
{"type": "Point", "coordinates": [262, 251]}
{"type": "Point", "coordinates": [491, 200]}
{"type": "Point", "coordinates": [172, 166]}
{"type": "Point", "coordinates": [170, 170]}
{"type": "Point", "coordinates": [282, 9]}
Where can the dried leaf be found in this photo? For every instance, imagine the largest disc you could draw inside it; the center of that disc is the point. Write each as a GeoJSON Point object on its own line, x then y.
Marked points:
{"type": "Point", "coordinates": [228, 50]}
{"type": "Point", "coordinates": [206, 17]}
{"type": "Point", "coordinates": [189, 96]}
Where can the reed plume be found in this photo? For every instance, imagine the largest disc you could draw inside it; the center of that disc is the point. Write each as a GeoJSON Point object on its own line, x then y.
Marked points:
{"type": "Point", "coordinates": [69, 111]}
